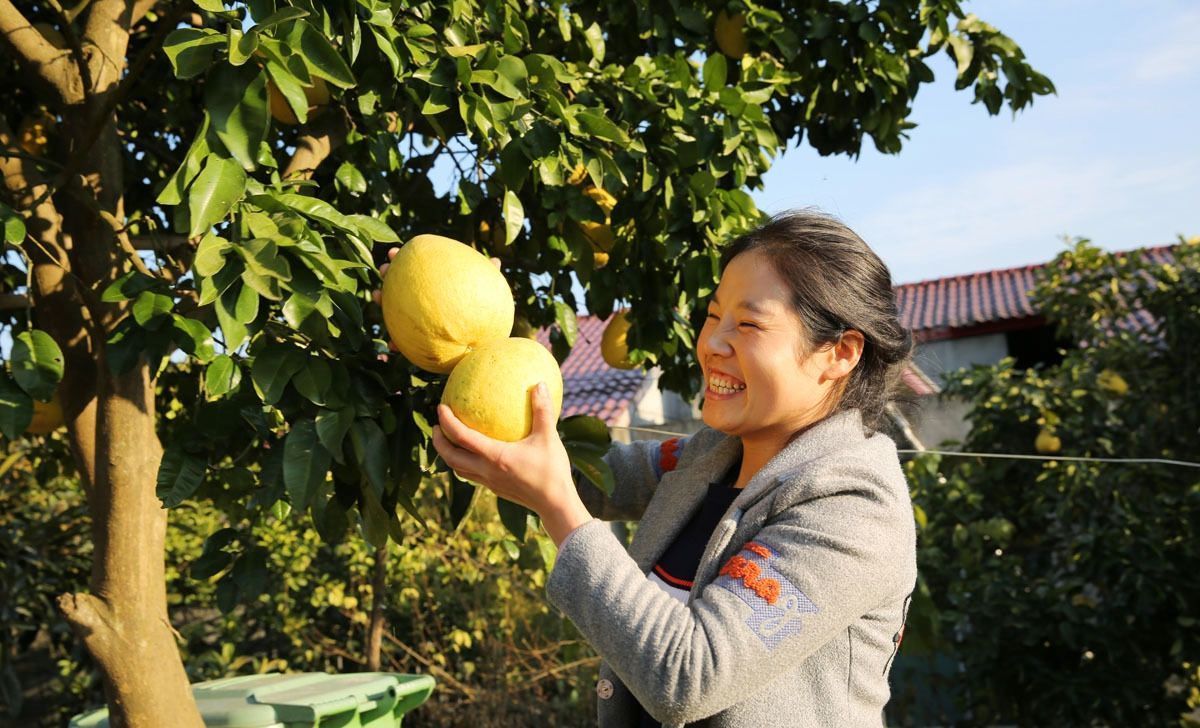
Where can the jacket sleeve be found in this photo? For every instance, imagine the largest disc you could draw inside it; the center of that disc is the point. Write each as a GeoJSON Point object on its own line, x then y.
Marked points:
{"type": "Point", "coordinates": [813, 569]}
{"type": "Point", "coordinates": [637, 467]}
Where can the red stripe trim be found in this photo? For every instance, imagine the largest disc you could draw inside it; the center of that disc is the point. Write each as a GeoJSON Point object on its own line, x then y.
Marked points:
{"type": "Point", "coordinates": [668, 454]}
{"type": "Point", "coordinates": [670, 579]}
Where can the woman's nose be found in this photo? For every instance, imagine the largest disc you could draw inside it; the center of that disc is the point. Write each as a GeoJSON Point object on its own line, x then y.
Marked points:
{"type": "Point", "coordinates": [718, 341]}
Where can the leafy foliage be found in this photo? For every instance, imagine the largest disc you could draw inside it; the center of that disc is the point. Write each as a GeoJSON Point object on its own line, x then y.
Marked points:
{"type": "Point", "coordinates": [463, 604]}
{"type": "Point", "coordinates": [1066, 591]}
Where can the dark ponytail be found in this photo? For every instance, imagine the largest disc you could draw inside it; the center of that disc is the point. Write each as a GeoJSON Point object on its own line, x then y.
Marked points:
{"type": "Point", "coordinates": [838, 283]}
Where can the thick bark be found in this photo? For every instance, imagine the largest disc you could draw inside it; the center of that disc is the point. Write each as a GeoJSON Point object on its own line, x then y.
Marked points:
{"type": "Point", "coordinates": [378, 590]}
{"type": "Point", "coordinates": [75, 253]}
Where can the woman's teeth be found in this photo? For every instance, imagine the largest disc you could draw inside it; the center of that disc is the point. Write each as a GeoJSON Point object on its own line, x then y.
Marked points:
{"type": "Point", "coordinates": [721, 385]}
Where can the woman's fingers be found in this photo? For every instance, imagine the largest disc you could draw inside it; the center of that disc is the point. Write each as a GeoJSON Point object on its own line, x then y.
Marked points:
{"type": "Point", "coordinates": [391, 254]}
{"type": "Point", "coordinates": [466, 438]}
{"type": "Point", "coordinates": [544, 420]}
{"type": "Point", "coordinates": [460, 460]}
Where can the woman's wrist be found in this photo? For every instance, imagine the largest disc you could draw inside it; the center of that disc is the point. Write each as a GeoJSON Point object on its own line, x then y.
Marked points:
{"type": "Point", "coordinates": [563, 517]}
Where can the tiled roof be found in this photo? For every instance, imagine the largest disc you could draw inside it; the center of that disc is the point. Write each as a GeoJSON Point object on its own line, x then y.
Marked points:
{"type": "Point", "coordinates": [590, 386]}
{"type": "Point", "coordinates": [977, 298]}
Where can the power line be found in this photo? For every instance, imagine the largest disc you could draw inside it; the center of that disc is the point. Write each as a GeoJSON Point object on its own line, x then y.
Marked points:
{"type": "Point", "coordinates": [996, 455]}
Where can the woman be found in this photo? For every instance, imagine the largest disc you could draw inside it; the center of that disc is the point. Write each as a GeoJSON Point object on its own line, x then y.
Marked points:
{"type": "Point", "coordinates": [768, 580]}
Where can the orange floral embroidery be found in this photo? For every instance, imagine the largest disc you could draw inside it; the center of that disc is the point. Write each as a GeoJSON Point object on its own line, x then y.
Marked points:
{"type": "Point", "coordinates": [759, 549]}
{"type": "Point", "coordinates": [739, 567]}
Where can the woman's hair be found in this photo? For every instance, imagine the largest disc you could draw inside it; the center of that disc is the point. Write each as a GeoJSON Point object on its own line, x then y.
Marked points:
{"type": "Point", "coordinates": [837, 283]}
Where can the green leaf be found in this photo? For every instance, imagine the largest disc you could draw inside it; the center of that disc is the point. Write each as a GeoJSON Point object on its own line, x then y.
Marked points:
{"type": "Point", "coordinates": [194, 337]}
{"type": "Point", "coordinates": [313, 381]}
{"type": "Point", "coordinates": [251, 574]}
{"type": "Point", "coordinates": [514, 216]}
{"type": "Point", "coordinates": [179, 475]}
{"type": "Point", "coordinates": [210, 255]}
{"type": "Point", "coordinates": [37, 363]}
{"type": "Point", "coordinates": [218, 186]}
{"type": "Point", "coordinates": [715, 72]}
{"type": "Point", "coordinates": [150, 309]}
{"type": "Point", "coordinates": [588, 459]}
{"type": "Point", "coordinates": [349, 177]}
{"type": "Point", "coordinates": [598, 124]}
{"type": "Point", "coordinates": [282, 15]}
{"type": "Point", "coordinates": [370, 450]}
{"type": "Point", "coordinates": [585, 428]}
{"type": "Point", "coordinates": [128, 286]}
{"type": "Point", "coordinates": [291, 88]}
{"type": "Point", "coordinates": [567, 322]}
{"type": "Point", "coordinates": [236, 99]}
{"type": "Point", "coordinates": [273, 368]}
{"type": "Point", "coordinates": [213, 558]}
{"type": "Point", "coordinates": [14, 225]}
{"type": "Point", "coordinates": [305, 464]}
{"type": "Point", "coordinates": [515, 517]}
{"type": "Point", "coordinates": [332, 426]}
{"type": "Point", "coordinates": [241, 46]}
{"type": "Point", "coordinates": [16, 408]}
{"type": "Point", "coordinates": [226, 306]}
{"type": "Point", "coordinates": [322, 58]}
{"type": "Point", "coordinates": [373, 229]}
{"type": "Point", "coordinates": [172, 191]}
{"type": "Point", "coordinates": [512, 78]}
{"type": "Point", "coordinates": [221, 377]}
{"type": "Point", "coordinates": [191, 50]}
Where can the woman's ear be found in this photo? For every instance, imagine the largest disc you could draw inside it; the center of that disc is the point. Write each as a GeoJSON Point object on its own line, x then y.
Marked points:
{"type": "Point", "coordinates": [843, 355]}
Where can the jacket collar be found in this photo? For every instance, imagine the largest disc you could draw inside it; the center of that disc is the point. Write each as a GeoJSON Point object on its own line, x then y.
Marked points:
{"type": "Point", "coordinates": [681, 491]}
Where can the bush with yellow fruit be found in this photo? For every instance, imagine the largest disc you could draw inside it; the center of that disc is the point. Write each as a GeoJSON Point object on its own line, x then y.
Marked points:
{"type": "Point", "coordinates": [1112, 383]}
{"type": "Point", "coordinates": [448, 310]}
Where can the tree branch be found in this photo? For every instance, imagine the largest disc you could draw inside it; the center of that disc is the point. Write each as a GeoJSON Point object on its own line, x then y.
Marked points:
{"type": "Point", "coordinates": [100, 119]}
{"type": "Point", "coordinates": [140, 8]}
{"type": "Point", "coordinates": [76, 48]}
{"type": "Point", "coordinates": [316, 142]}
{"type": "Point", "coordinates": [49, 65]}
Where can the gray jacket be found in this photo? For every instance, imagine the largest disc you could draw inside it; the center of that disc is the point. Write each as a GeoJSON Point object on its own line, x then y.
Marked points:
{"type": "Point", "coordinates": [798, 605]}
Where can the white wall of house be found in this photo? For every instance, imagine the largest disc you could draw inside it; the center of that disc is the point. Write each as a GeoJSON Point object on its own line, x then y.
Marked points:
{"type": "Point", "coordinates": [937, 358]}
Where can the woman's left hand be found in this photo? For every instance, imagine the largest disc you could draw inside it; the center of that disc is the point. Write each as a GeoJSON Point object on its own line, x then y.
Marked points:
{"type": "Point", "coordinates": [534, 472]}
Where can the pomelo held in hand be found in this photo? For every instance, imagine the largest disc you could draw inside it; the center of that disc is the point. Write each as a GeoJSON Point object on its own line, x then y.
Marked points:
{"type": "Point", "coordinates": [491, 389]}
{"type": "Point", "coordinates": [442, 299]}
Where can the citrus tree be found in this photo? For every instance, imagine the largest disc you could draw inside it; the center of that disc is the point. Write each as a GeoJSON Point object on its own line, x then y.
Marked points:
{"type": "Point", "coordinates": [1066, 589]}
{"type": "Point", "coordinates": [215, 183]}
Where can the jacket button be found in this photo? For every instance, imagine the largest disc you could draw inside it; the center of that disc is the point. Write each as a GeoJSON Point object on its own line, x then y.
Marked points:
{"type": "Point", "coordinates": [604, 689]}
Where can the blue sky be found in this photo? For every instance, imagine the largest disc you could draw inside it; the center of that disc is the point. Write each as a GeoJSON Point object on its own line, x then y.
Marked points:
{"type": "Point", "coordinates": [1114, 157]}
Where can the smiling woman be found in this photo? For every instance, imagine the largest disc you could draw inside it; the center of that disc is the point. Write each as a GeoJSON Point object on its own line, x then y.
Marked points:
{"type": "Point", "coordinates": [770, 575]}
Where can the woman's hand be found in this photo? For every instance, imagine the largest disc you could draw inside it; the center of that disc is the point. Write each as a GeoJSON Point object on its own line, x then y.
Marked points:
{"type": "Point", "coordinates": [534, 472]}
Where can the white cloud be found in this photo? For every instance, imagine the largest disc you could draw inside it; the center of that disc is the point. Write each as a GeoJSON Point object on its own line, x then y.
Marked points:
{"type": "Point", "coordinates": [1171, 54]}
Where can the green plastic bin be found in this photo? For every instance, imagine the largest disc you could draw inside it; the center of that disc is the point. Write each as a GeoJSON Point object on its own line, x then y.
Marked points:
{"type": "Point", "coordinates": [300, 700]}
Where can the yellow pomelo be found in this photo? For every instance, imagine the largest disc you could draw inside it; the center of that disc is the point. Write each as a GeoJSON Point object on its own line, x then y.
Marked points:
{"type": "Point", "coordinates": [578, 174]}
{"type": "Point", "coordinates": [317, 96]}
{"type": "Point", "coordinates": [731, 34]}
{"type": "Point", "coordinates": [599, 258]}
{"type": "Point", "coordinates": [491, 388]}
{"type": "Point", "coordinates": [1112, 383]}
{"type": "Point", "coordinates": [600, 233]}
{"type": "Point", "coordinates": [613, 346]}
{"type": "Point", "coordinates": [441, 299]}
{"type": "Point", "coordinates": [1047, 443]}
{"type": "Point", "coordinates": [47, 416]}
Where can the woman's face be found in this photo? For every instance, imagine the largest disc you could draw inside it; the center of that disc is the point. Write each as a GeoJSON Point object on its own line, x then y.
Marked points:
{"type": "Point", "coordinates": [759, 380]}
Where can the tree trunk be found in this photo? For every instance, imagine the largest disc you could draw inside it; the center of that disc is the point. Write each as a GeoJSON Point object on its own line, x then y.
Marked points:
{"type": "Point", "coordinates": [378, 590]}
{"type": "Point", "coordinates": [123, 620]}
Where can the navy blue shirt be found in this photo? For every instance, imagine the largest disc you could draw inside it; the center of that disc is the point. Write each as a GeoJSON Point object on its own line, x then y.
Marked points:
{"type": "Point", "coordinates": [676, 568]}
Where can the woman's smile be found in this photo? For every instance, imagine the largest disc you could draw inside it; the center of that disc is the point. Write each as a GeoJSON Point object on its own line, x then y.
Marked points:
{"type": "Point", "coordinates": [723, 386]}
